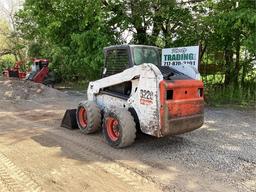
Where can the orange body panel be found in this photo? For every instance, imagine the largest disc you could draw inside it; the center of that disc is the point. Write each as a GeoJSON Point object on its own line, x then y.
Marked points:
{"type": "Point", "coordinates": [181, 109]}
{"type": "Point", "coordinates": [182, 106]}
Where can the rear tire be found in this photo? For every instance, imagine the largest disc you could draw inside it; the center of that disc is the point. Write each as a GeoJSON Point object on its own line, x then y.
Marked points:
{"type": "Point", "coordinates": [49, 80]}
{"type": "Point", "coordinates": [88, 117]}
{"type": "Point", "coordinates": [119, 128]}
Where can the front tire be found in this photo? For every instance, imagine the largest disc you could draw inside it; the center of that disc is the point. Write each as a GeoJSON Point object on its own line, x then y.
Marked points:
{"type": "Point", "coordinates": [119, 128]}
{"type": "Point", "coordinates": [88, 117]}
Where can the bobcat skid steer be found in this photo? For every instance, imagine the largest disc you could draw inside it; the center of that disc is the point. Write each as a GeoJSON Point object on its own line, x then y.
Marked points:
{"type": "Point", "coordinates": [136, 92]}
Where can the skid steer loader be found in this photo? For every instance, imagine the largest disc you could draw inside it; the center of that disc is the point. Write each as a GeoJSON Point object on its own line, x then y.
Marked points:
{"type": "Point", "coordinates": [136, 92]}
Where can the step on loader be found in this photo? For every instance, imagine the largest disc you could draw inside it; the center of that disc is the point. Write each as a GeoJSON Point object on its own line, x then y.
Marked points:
{"type": "Point", "coordinates": [137, 93]}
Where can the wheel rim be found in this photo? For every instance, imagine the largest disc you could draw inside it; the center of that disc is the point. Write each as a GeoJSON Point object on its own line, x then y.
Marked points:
{"type": "Point", "coordinates": [82, 114]}
{"type": "Point", "coordinates": [112, 127]}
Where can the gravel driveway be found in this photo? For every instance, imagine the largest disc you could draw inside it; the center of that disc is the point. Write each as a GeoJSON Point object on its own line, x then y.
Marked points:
{"type": "Point", "coordinates": [36, 154]}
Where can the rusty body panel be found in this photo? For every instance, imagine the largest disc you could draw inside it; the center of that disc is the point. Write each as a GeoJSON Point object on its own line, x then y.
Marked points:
{"type": "Point", "coordinates": [183, 124]}
{"type": "Point", "coordinates": [183, 109]}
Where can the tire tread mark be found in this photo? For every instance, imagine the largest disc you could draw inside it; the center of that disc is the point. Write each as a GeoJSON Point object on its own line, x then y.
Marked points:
{"type": "Point", "coordinates": [3, 188]}
{"type": "Point", "coordinates": [128, 176]}
{"type": "Point", "coordinates": [144, 177]}
{"type": "Point", "coordinates": [14, 179]}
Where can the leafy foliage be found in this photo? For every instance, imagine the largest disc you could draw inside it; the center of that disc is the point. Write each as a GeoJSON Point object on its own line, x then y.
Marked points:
{"type": "Point", "coordinates": [72, 34]}
{"type": "Point", "coordinates": [6, 61]}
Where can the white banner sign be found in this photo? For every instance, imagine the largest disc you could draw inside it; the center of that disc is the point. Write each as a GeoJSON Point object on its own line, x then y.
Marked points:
{"type": "Point", "coordinates": [181, 56]}
{"type": "Point", "coordinates": [183, 59]}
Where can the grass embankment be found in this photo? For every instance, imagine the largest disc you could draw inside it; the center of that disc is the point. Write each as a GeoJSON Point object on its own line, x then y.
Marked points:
{"type": "Point", "coordinates": [72, 85]}
{"type": "Point", "coordinates": [230, 96]}
{"type": "Point", "coordinates": [219, 94]}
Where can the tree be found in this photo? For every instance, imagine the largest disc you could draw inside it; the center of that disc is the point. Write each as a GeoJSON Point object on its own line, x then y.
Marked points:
{"type": "Point", "coordinates": [8, 33]}
{"type": "Point", "coordinates": [71, 33]}
{"type": "Point", "coordinates": [232, 24]}
{"type": "Point", "coordinates": [143, 18]}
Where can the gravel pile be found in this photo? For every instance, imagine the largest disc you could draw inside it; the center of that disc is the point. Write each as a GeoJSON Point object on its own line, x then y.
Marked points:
{"type": "Point", "coordinates": [13, 89]}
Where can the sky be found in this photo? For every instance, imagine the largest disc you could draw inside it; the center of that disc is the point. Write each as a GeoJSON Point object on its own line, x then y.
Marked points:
{"type": "Point", "coordinates": [9, 6]}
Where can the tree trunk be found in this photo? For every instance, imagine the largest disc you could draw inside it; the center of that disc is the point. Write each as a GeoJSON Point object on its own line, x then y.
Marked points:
{"type": "Point", "coordinates": [237, 63]}
{"type": "Point", "coordinates": [167, 34]}
{"type": "Point", "coordinates": [138, 22]}
{"type": "Point", "coordinates": [243, 74]}
{"type": "Point", "coordinates": [228, 54]}
{"type": "Point", "coordinates": [155, 32]}
{"type": "Point", "coordinates": [141, 36]}
{"type": "Point", "coordinates": [202, 49]}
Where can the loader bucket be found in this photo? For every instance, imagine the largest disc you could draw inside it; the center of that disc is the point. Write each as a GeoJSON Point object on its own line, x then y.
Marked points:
{"type": "Point", "coordinates": [69, 119]}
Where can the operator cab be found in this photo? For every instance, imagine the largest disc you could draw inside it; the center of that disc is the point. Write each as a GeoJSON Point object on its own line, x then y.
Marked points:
{"type": "Point", "coordinates": [120, 57]}
{"type": "Point", "coordinates": [38, 64]}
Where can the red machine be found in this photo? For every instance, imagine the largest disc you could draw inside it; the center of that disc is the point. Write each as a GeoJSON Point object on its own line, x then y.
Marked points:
{"type": "Point", "coordinates": [40, 72]}
{"type": "Point", "coordinates": [15, 71]}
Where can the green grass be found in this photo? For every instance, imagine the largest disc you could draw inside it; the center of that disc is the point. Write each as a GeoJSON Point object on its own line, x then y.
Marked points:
{"type": "Point", "coordinates": [72, 85]}
{"type": "Point", "coordinates": [220, 95]}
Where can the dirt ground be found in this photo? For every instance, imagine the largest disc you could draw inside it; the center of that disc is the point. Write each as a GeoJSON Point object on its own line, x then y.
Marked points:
{"type": "Point", "coordinates": [36, 154]}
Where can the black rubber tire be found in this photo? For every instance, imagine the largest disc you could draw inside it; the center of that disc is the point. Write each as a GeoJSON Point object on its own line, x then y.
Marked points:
{"type": "Point", "coordinates": [49, 80]}
{"type": "Point", "coordinates": [93, 115]}
{"type": "Point", "coordinates": [49, 84]}
{"type": "Point", "coordinates": [126, 125]}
